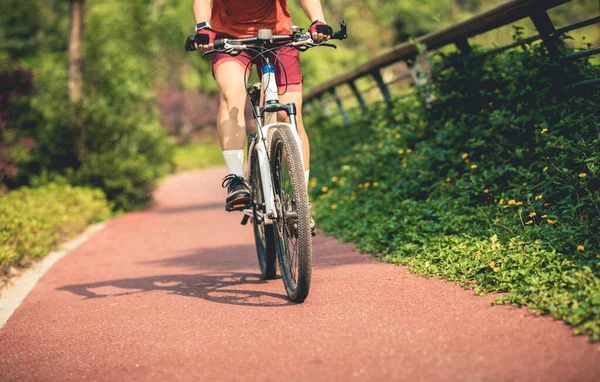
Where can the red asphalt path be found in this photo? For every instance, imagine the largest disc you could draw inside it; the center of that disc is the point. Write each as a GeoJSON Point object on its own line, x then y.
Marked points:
{"type": "Point", "coordinates": [173, 293]}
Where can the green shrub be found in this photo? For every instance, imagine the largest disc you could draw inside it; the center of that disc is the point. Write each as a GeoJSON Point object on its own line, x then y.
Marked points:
{"type": "Point", "coordinates": [123, 150]}
{"type": "Point", "coordinates": [34, 221]}
{"type": "Point", "coordinates": [198, 156]}
{"type": "Point", "coordinates": [494, 183]}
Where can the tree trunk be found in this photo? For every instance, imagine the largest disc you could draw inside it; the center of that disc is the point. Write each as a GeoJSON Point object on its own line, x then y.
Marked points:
{"type": "Point", "coordinates": [76, 50]}
{"type": "Point", "coordinates": [76, 72]}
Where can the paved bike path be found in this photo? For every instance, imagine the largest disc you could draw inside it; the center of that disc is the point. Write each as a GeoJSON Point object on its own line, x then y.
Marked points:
{"type": "Point", "coordinates": [173, 294]}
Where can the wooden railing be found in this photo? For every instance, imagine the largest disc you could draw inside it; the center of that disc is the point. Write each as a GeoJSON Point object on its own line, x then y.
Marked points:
{"type": "Point", "coordinates": [458, 35]}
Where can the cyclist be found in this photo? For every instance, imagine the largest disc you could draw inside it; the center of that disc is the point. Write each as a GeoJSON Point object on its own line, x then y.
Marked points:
{"type": "Point", "coordinates": [243, 18]}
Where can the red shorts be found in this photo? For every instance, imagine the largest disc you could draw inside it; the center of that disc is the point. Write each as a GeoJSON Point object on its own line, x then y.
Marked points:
{"type": "Point", "coordinates": [287, 66]}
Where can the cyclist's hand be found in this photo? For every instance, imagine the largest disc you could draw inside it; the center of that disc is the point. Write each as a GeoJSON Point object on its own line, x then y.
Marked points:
{"type": "Point", "coordinates": [320, 31]}
{"type": "Point", "coordinates": [204, 39]}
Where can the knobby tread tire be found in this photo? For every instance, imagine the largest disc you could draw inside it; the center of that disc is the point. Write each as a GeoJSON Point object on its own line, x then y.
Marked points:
{"type": "Point", "coordinates": [283, 138]}
{"type": "Point", "coordinates": [265, 246]}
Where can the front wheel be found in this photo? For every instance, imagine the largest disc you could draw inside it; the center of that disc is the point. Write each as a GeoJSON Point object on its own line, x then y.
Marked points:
{"type": "Point", "coordinates": [293, 228]}
{"type": "Point", "coordinates": [264, 234]}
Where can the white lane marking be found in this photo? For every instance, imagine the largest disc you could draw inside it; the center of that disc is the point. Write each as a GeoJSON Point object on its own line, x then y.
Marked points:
{"type": "Point", "coordinates": [11, 298]}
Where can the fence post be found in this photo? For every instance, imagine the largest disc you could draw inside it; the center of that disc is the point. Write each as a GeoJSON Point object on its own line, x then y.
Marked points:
{"type": "Point", "coordinates": [358, 96]}
{"type": "Point", "coordinates": [544, 25]}
{"type": "Point", "coordinates": [464, 47]}
{"type": "Point", "coordinates": [340, 106]}
{"type": "Point", "coordinates": [324, 105]}
{"type": "Point", "coordinates": [382, 85]}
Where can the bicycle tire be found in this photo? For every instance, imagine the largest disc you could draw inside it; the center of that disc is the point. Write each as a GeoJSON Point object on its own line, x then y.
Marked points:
{"type": "Point", "coordinates": [293, 221]}
{"type": "Point", "coordinates": [264, 234]}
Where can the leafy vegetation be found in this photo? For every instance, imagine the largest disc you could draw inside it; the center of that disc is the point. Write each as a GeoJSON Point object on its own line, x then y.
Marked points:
{"type": "Point", "coordinates": [488, 177]}
{"type": "Point", "coordinates": [34, 221]}
{"type": "Point", "coordinates": [125, 149]}
{"type": "Point", "coordinates": [198, 156]}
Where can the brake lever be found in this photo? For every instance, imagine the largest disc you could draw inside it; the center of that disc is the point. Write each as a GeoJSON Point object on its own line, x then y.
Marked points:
{"type": "Point", "coordinates": [211, 52]}
{"type": "Point", "coordinates": [327, 45]}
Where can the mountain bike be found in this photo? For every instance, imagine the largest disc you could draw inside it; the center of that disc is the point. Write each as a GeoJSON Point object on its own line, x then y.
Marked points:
{"type": "Point", "coordinates": [280, 210]}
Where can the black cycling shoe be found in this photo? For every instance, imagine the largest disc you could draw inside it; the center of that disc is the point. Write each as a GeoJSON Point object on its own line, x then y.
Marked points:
{"type": "Point", "coordinates": [238, 193]}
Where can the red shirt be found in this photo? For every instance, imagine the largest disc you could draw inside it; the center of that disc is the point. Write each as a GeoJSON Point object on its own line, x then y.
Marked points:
{"type": "Point", "coordinates": [243, 18]}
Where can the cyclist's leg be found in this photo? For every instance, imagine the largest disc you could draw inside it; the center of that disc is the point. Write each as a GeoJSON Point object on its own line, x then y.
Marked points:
{"type": "Point", "coordinates": [295, 96]}
{"type": "Point", "coordinates": [289, 82]}
{"type": "Point", "coordinates": [231, 126]}
{"type": "Point", "coordinates": [231, 123]}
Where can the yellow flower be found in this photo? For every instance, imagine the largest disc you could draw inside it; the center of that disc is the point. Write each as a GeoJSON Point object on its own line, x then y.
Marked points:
{"type": "Point", "coordinates": [501, 201]}
{"type": "Point", "coordinates": [473, 166]}
{"type": "Point", "coordinates": [408, 151]}
{"type": "Point", "coordinates": [333, 206]}
{"type": "Point", "coordinates": [367, 184]}
{"type": "Point", "coordinates": [529, 222]}
{"type": "Point", "coordinates": [313, 182]}
{"type": "Point", "coordinates": [448, 179]}
{"type": "Point", "coordinates": [375, 184]}
{"type": "Point", "coordinates": [551, 221]}
{"type": "Point", "coordinates": [582, 175]}
{"type": "Point", "coordinates": [544, 130]}
{"type": "Point", "coordinates": [401, 151]}
{"type": "Point", "coordinates": [397, 136]}
{"type": "Point", "coordinates": [511, 202]}
{"type": "Point", "coordinates": [580, 248]}
{"type": "Point", "coordinates": [598, 256]}
{"type": "Point", "coordinates": [360, 185]}
{"type": "Point", "coordinates": [465, 155]}
{"type": "Point", "coordinates": [545, 169]}
{"type": "Point", "coordinates": [532, 214]}
{"type": "Point", "coordinates": [486, 191]}
{"type": "Point", "coordinates": [334, 179]}
{"type": "Point", "coordinates": [544, 216]}
{"type": "Point", "coordinates": [538, 197]}
{"type": "Point", "coordinates": [324, 189]}
{"type": "Point", "coordinates": [519, 203]}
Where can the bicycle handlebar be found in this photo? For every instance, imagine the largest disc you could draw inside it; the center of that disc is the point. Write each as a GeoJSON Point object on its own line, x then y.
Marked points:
{"type": "Point", "coordinates": [265, 38]}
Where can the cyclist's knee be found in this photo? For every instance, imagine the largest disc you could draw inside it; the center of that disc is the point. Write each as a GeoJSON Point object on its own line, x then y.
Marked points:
{"type": "Point", "coordinates": [233, 97]}
{"type": "Point", "coordinates": [283, 117]}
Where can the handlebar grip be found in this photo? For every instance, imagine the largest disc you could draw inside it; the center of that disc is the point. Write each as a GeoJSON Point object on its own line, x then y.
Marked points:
{"type": "Point", "coordinates": [189, 43]}
{"type": "Point", "coordinates": [219, 43]}
{"type": "Point", "coordinates": [342, 33]}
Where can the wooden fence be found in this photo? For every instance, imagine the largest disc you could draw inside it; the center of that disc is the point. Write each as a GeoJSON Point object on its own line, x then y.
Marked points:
{"type": "Point", "coordinates": [458, 34]}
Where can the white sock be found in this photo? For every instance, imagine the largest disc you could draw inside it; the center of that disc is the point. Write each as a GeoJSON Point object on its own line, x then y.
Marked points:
{"type": "Point", "coordinates": [234, 160]}
{"type": "Point", "coordinates": [307, 176]}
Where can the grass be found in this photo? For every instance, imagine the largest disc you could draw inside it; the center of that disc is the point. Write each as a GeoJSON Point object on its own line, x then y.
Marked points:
{"type": "Point", "coordinates": [492, 182]}
{"type": "Point", "coordinates": [198, 156]}
{"type": "Point", "coordinates": [35, 221]}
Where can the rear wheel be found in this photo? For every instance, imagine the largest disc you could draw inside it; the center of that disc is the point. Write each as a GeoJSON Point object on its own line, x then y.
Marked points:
{"type": "Point", "coordinates": [264, 234]}
{"type": "Point", "coordinates": [294, 240]}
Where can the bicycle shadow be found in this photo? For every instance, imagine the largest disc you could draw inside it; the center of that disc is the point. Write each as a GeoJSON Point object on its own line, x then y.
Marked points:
{"type": "Point", "coordinates": [222, 287]}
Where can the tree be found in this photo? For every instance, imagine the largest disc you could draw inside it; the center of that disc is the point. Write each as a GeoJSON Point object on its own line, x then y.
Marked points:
{"type": "Point", "coordinates": [76, 67]}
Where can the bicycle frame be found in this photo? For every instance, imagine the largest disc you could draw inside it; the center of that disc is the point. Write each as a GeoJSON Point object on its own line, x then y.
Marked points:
{"type": "Point", "coordinates": [265, 117]}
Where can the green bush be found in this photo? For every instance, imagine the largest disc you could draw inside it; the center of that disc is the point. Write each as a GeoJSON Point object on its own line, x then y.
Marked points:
{"type": "Point", "coordinates": [125, 149]}
{"type": "Point", "coordinates": [34, 221]}
{"type": "Point", "coordinates": [198, 156]}
{"type": "Point", "coordinates": [493, 183]}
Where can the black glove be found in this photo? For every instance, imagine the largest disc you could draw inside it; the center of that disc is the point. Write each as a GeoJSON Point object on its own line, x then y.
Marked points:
{"type": "Point", "coordinates": [320, 27]}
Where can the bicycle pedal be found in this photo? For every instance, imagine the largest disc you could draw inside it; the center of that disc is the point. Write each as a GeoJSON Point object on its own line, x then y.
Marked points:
{"type": "Point", "coordinates": [236, 207]}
